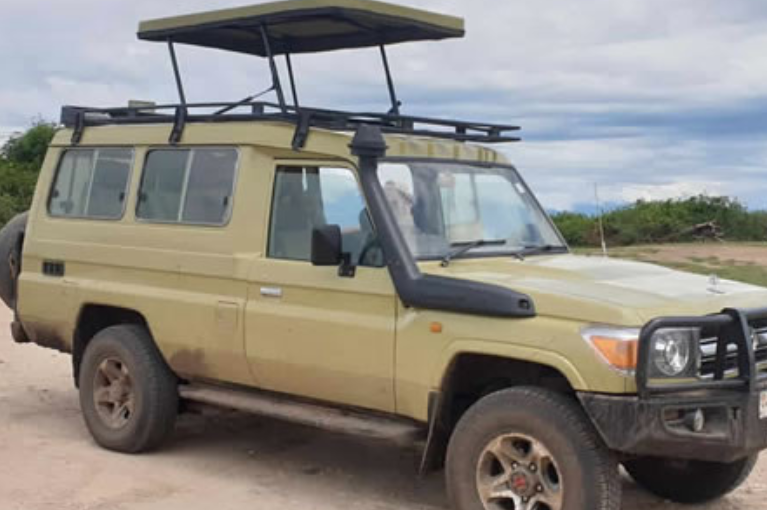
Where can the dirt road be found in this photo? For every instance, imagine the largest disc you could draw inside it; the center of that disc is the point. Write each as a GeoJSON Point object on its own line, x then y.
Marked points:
{"type": "Point", "coordinates": [222, 462]}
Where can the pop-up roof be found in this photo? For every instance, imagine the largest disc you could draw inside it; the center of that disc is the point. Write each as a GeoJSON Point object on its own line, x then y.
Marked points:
{"type": "Point", "coordinates": [282, 29]}
{"type": "Point", "coordinates": [304, 26]}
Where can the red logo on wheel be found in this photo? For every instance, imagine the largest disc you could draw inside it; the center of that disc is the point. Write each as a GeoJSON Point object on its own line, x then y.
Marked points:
{"type": "Point", "coordinates": [520, 483]}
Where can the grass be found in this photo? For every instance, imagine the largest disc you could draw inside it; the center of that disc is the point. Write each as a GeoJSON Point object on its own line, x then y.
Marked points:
{"type": "Point", "coordinates": [747, 273]}
{"type": "Point", "coordinates": [674, 256]}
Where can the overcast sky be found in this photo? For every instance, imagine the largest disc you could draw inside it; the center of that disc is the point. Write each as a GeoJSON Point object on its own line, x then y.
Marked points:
{"type": "Point", "coordinates": [647, 98]}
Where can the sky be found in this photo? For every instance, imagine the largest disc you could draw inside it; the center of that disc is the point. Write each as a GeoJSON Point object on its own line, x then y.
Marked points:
{"type": "Point", "coordinates": [647, 99]}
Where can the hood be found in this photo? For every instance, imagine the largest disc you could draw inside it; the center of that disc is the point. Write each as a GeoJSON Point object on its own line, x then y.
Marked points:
{"type": "Point", "coordinates": [605, 290]}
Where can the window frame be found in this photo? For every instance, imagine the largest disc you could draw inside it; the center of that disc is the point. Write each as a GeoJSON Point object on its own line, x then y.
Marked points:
{"type": "Point", "coordinates": [94, 150]}
{"type": "Point", "coordinates": [304, 163]}
{"type": "Point", "coordinates": [187, 171]}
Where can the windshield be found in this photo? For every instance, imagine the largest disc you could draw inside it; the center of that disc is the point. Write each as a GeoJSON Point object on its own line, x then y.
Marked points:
{"type": "Point", "coordinates": [440, 206]}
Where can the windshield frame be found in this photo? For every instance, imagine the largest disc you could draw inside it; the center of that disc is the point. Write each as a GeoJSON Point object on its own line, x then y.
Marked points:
{"type": "Point", "coordinates": [491, 165]}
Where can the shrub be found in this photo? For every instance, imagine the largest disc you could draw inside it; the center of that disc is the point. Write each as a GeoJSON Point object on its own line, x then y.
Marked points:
{"type": "Point", "coordinates": [665, 221]}
{"type": "Point", "coordinates": [20, 161]}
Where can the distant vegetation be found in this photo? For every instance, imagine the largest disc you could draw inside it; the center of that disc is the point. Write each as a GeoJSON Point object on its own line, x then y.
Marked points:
{"type": "Point", "coordinates": [650, 222]}
{"type": "Point", "coordinates": [20, 161]}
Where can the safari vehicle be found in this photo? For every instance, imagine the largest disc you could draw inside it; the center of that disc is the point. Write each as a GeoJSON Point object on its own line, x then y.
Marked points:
{"type": "Point", "coordinates": [380, 273]}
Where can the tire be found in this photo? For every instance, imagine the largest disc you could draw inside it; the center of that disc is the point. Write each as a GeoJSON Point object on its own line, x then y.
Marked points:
{"type": "Point", "coordinates": [136, 391]}
{"type": "Point", "coordinates": [526, 421]}
{"type": "Point", "coordinates": [10, 235]}
{"type": "Point", "coordinates": [689, 481]}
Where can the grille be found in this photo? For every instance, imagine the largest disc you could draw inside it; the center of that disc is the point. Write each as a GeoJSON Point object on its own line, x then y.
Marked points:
{"type": "Point", "coordinates": [708, 355]}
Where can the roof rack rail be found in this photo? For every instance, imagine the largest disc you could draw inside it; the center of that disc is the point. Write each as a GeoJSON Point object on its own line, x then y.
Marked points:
{"type": "Point", "coordinates": [285, 28]}
{"type": "Point", "coordinates": [304, 118]}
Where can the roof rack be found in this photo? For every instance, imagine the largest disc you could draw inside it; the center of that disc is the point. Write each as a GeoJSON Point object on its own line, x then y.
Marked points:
{"type": "Point", "coordinates": [285, 28]}
{"type": "Point", "coordinates": [304, 118]}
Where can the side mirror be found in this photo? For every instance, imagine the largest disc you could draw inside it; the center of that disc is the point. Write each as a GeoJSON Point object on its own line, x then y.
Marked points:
{"type": "Point", "coordinates": [327, 250]}
{"type": "Point", "coordinates": [326, 246]}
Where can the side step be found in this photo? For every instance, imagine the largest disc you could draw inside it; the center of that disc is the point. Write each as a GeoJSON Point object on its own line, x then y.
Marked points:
{"type": "Point", "coordinates": [305, 413]}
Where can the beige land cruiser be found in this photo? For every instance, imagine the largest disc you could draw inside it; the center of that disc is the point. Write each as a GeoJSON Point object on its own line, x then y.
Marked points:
{"type": "Point", "coordinates": [381, 273]}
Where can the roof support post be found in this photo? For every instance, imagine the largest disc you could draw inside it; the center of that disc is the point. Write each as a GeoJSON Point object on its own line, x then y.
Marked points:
{"type": "Point", "coordinates": [181, 111]}
{"type": "Point", "coordinates": [176, 73]}
{"type": "Point", "coordinates": [275, 72]}
{"type": "Point", "coordinates": [395, 103]}
{"type": "Point", "coordinates": [293, 89]}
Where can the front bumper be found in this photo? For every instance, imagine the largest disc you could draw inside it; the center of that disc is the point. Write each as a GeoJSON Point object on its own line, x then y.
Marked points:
{"type": "Point", "coordinates": [657, 427]}
{"type": "Point", "coordinates": [660, 420]}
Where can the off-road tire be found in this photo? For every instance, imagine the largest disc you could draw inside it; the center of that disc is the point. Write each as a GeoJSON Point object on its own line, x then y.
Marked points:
{"type": "Point", "coordinates": [154, 386]}
{"type": "Point", "coordinates": [589, 472]}
{"type": "Point", "coordinates": [10, 236]}
{"type": "Point", "coordinates": [689, 482]}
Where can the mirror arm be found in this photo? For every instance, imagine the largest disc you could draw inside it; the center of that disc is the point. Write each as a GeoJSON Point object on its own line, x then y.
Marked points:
{"type": "Point", "coordinates": [347, 269]}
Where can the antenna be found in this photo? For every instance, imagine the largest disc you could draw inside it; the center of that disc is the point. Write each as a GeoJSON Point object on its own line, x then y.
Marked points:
{"type": "Point", "coordinates": [600, 213]}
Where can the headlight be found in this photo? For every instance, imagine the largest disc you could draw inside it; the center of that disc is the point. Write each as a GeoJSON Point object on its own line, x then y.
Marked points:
{"type": "Point", "coordinates": [674, 353]}
{"type": "Point", "coordinates": [617, 346]}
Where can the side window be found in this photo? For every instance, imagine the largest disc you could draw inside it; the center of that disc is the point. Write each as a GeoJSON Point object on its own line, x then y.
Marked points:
{"type": "Point", "coordinates": [91, 183]}
{"type": "Point", "coordinates": [188, 186]}
{"type": "Point", "coordinates": [309, 197]}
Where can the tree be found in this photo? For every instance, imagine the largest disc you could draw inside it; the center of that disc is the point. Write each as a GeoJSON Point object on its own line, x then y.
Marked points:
{"type": "Point", "coordinates": [20, 161]}
{"type": "Point", "coordinates": [28, 149]}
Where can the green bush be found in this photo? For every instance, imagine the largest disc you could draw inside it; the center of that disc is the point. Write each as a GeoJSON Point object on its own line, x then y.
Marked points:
{"type": "Point", "coordinates": [661, 221]}
{"type": "Point", "coordinates": [28, 149]}
{"type": "Point", "coordinates": [20, 161]}
{"type": "Point", "coordinates": [578, 229]}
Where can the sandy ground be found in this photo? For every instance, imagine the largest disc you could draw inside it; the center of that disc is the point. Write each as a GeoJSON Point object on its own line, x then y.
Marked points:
{"type": "Point", "coordinates": [225, 461]}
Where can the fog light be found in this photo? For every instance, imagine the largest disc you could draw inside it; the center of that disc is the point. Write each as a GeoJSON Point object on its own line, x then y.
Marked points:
{"type": "Point", "coordinates": [695, 420]}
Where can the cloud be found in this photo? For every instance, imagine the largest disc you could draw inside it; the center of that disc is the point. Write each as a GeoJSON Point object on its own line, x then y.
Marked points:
{"type": "Point", "coordinates": [647, 98]}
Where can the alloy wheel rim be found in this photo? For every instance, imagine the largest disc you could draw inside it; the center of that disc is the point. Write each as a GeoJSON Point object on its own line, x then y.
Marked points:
{"type": "Point", "coordinates": [517, 472]}
{"type": "Point", "coordinates": [113, 393]}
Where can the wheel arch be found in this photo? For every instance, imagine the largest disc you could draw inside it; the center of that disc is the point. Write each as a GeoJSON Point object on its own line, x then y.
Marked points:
{"type": "Point", "coordinates": [95, 317]}
{"type": "Point", "coordinates": [476, 369]}
{"type": "Point", "coordinates": [460, 350]}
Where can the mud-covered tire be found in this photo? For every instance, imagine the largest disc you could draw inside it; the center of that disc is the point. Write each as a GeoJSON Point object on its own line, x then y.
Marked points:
{"type": "Point", "coordinates": [587, 471]}
{"type": "Point", "coordinates": [119, 361]}
{"type": "Point", "coordinates": [689, 482]}
{"type": "Point", "coordinates": [10, 238]}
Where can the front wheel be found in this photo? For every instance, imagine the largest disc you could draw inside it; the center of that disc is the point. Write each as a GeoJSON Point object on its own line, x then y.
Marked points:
{"type": "Point", "coordinates": [689, 481]}
{"type": "Point", "coordinates": [529, 449]}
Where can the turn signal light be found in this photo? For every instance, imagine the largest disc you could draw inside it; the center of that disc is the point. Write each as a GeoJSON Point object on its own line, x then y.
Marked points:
{"type": "Point", "coordinates": [621, 354]}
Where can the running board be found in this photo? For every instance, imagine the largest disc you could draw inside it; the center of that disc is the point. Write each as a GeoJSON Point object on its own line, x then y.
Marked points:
{"type": "Point", "coordinates": [305, 413]}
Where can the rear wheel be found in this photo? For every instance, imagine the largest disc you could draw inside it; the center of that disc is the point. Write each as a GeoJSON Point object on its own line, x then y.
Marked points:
{"type": "Point", "coordinates": [128, 395]}
{"type": "Point", "coordinates": [529, 449]}
{"type": "Point", "coordinates": [689, 481]}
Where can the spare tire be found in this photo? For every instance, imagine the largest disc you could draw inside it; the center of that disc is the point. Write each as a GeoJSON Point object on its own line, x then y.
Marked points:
{"type": "Point", "coordinates": [11, 238]}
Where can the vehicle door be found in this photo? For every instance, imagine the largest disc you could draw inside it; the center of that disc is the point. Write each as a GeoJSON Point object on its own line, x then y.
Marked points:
{"type": "Point", "coordinates": [309, 331]}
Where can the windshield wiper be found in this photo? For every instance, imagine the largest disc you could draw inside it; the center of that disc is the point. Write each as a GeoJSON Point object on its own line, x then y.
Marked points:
{"type": "Point", "coordinates": [539, 249]}
{"type": "Point", "coordinates": [461, 248]}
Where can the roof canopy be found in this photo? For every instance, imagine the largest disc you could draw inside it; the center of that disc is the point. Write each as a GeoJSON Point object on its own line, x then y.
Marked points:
{"type": "Point", "coordinates": [304, 26]}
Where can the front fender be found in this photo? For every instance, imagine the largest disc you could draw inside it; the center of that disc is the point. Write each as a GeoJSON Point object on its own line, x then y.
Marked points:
{"type": "Point", "coordinates": [507, 351]}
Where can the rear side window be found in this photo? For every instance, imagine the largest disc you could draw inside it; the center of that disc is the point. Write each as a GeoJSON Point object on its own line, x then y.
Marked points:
{"type": "Point", "coordinates": [91, 183]}
{"type": "Point", "coordinates": [188, 186]}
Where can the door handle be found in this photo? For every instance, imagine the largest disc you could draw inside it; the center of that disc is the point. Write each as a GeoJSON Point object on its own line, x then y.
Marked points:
{"type": "Point", "coordinates": [271, 292]}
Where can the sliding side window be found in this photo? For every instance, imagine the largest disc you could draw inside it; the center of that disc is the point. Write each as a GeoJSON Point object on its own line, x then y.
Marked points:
{"type": "Point", "coordinates": [188, 186]}
{"type": "Point", "coordinates": [91, 183]}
